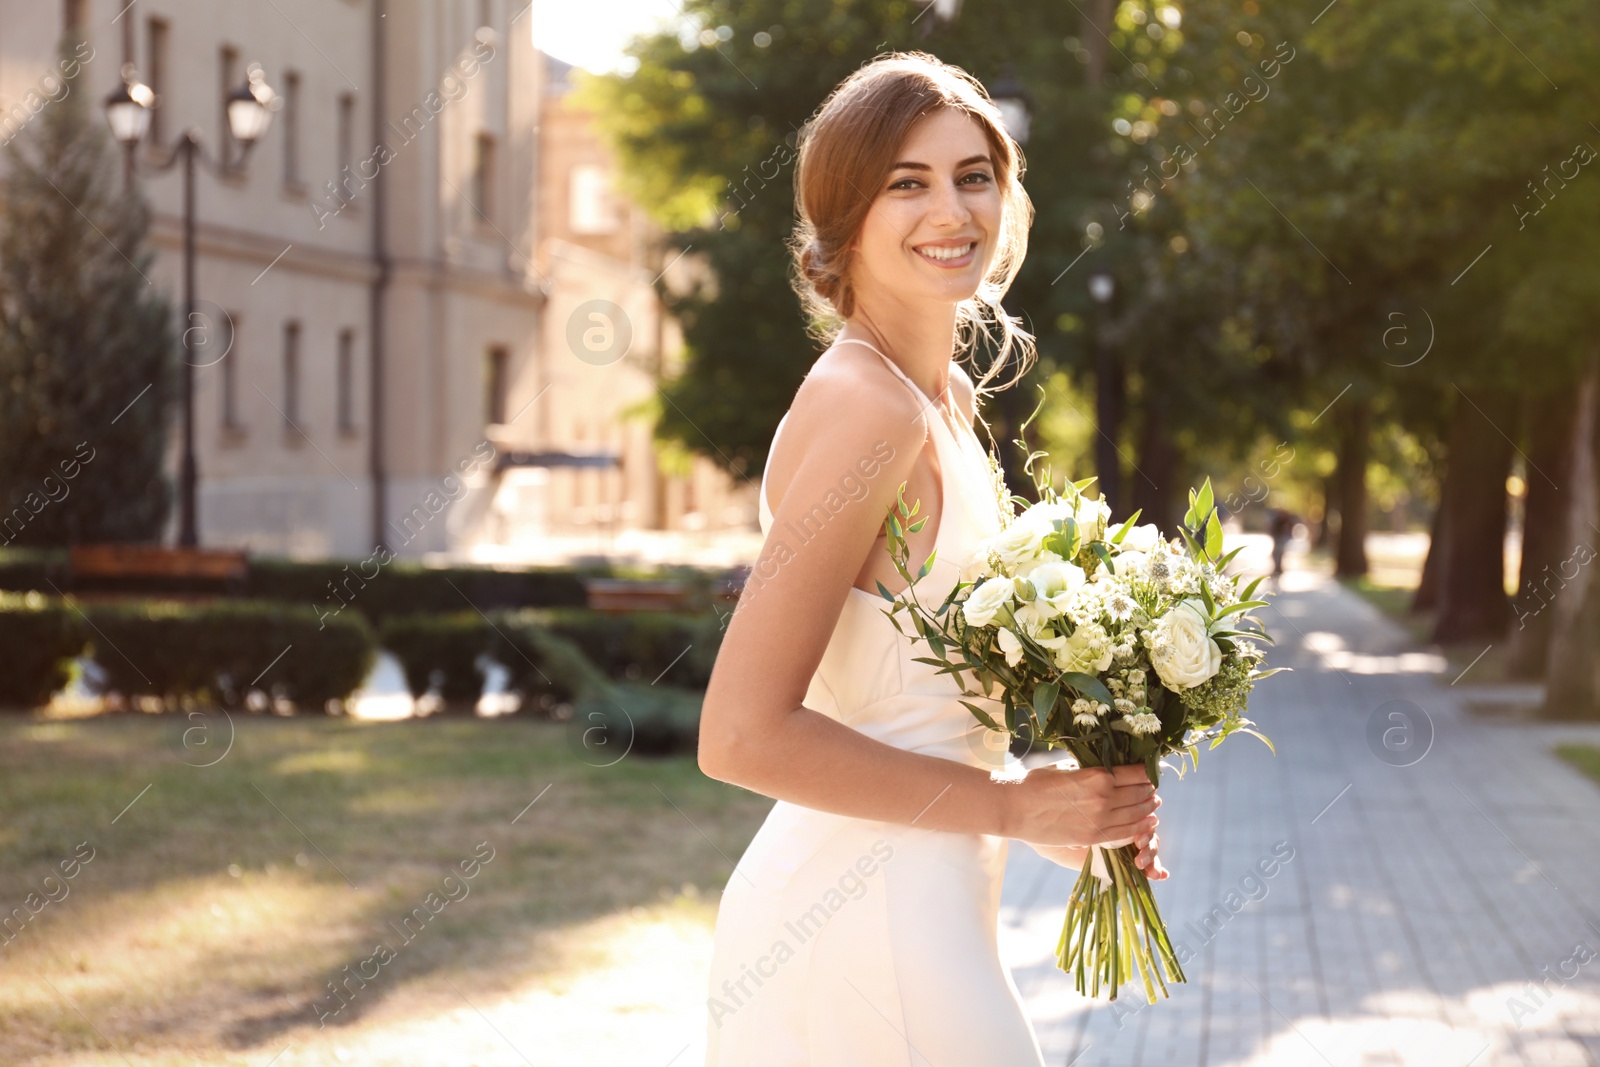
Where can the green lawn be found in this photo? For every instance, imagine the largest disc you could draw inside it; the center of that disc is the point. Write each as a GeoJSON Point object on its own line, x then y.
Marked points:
{"type": "Point", "coordinates": [1584, 757]}
{"type": "Point", "coordinates": [216, 909]}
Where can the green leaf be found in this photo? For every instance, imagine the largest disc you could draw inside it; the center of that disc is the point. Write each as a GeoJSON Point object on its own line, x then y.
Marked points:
{"type": "Point", "coordinates": [1122, 531]}
{"type": "Point", "coordinates": [1254, 733]}
{"type": "Point", "coordinates": [1099, 548]}
{"type": "Point", "coordinates": [884, 592]}
{"type": "Point", "coordinates": [1044, 699]}
{"type": "Point", "coordinates": [1213, 532]}
{"type": "Point", "coordinates": [1204, 501]}
{"type": "Point", "coordinates": [927, 564]}
{"type": "Point", "coordinates": [983, 716]}
{"type": "Point", "coordinates": [1087, 685]}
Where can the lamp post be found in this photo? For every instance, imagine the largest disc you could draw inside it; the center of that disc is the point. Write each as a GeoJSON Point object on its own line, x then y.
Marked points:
{"type": "Point", "coordinates": [1015, 103]}
{"type": "Point", "coordinates": [249, 110]}
{"type": "Point", "coordinates": [1107, 394]}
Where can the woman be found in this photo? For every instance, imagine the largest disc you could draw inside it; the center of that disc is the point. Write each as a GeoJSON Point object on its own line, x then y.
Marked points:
{"type": "Point", "coordinates": [859, 928]}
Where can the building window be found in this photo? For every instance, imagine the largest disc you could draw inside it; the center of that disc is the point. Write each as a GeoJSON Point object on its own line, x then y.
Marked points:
{"type": "Point", "coordinates": [591, 209]}
{"type": "Point", "coordinates": [485, 13]}
{"type": "Point", "coordinates": [156, 78]}
{"type": "Point", "coordinates": [483, 174]}
{"type": "Point", "coordinates": [291, 374]}
{"type": "Point", "coordinates": [228, 70]}
{"type": "Point", "coordinates": [497, 367]}
{"type": "Point", "coordinates": [345, 383]}
{"type": "Point", "coordinates": [291, 129]}
{"type": "Point", "coordinates": [228, 327]}
{"type": "Point", "coordinates": [347, 146]}
{"type": "Point", "coordinates": [72, 18]}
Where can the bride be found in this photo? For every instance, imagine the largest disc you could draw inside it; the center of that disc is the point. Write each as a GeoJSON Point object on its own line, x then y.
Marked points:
{"type": "Point", "coordinates": [859, 927]}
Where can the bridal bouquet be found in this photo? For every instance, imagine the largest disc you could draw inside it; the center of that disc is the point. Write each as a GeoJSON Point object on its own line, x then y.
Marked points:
{"type": "Point", "coordinates": [1114, 644]}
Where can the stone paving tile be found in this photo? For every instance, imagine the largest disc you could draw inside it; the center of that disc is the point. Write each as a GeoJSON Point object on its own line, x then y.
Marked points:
{"type": "Point", "coordinates": [1434, 904]}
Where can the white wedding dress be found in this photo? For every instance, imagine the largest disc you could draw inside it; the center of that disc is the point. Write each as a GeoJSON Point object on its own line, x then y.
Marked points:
{"type": "Point", "coordinates": [845, 942]}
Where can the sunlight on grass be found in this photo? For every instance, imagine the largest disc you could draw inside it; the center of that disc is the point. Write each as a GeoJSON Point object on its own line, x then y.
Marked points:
{"type": "Point", "coordinates": [218, 912]}
{"type": "Point", "coordinates": [330, 760]}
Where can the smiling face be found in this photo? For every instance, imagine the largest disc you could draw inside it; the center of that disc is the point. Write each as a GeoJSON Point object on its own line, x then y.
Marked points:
{"type": "Point", "coordinates": [932, 229]}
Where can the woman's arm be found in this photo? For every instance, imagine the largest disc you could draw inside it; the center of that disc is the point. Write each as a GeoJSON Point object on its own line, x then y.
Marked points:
{"type": "Point", "coordinates": [860, 433]}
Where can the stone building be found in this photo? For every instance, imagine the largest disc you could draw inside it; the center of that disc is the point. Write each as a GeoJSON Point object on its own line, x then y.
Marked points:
{"type": "Point", "coordinates": [404, 274]}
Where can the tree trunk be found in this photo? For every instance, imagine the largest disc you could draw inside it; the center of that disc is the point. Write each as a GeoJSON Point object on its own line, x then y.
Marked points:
{"type": "Point", "coordinates": [1572, 671]}
{"type": "Point", "coordinates": [1472, 592]}
{"type": "Point", "coordinates": [1155, 474]}
{"type": "Point", "coordinates": [1427, 595]}
{"type": "Point", "coordinates": [1330, 503]}
{"type": "Point", "coordinates": [1350, 553]}
{"type": "Point", "coordinates": [1553, 424]}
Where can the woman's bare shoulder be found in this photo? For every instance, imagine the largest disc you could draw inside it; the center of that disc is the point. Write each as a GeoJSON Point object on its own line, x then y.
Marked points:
{"type": "Point", "coordinates": [849, 392]}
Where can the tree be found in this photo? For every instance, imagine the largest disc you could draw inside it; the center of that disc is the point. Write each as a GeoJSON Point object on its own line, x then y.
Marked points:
{"type": "Point", "coordinates": [87, 365]}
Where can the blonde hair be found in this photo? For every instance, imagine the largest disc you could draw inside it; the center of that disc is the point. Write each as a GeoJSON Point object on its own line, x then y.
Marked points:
{"type": "Point", "coordinates": [847, 149]}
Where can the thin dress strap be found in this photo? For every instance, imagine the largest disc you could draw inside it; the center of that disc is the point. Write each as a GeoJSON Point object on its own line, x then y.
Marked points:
{"type": "Point", "coordinates": [902, 374]}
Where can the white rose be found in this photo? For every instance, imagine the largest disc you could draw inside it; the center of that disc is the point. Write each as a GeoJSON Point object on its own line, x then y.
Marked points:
{"type": "Point", "coordinates": [986, 600]}
{"type": "Point", "coordinates": [1141, 538]}
{"type": "Point", "coordinates": [1183, 653]}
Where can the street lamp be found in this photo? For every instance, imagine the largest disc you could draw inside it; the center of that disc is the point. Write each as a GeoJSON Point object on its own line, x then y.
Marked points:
{"type": "Point", "coordinates": [249, 110]}
{"type": "Point", "coordinates": [1108, 390]}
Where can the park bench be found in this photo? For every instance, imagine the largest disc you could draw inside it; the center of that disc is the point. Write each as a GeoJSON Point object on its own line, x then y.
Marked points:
{"type": "Point", "coordinates": [124, 564]}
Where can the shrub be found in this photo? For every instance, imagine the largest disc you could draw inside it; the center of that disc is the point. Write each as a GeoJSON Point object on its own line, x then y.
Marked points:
{"type": "Point", "coordinates": [640, 719]}
{"type": "Point", "coordinates": [219, 651]}
{"type": "Point", "coordinates": [441, 651]}
{"type": "Point", "coordinates": [39, 636]}
{"type": "Point", "coordinates": [648, 646]}
{"type": "Point", "coordinates": [547, 670]}
{"type": "Point", "coordinates": [408, 587]}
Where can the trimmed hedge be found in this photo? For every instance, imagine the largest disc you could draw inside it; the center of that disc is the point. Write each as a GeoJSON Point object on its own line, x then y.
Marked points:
{"type": "Point", "coordinates": [636, 718]}
{"type": "Point", "coordinates": [39, 636]}
{"type": "Point", "coordinates": [407, 587]}
{"type": "Point", "coordinates": [441, 651]}
{"type": "Point", "coordinates": [546, 669]}
{"type": "Point", "coordinates": [648, 646]}
{"type": "Point", "coordinates": [401, 587]}
{"type": "Point", "coordinates": [219, 651]}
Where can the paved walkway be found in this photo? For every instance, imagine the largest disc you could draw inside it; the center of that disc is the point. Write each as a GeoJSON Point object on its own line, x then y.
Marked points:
{"type": "Point", "coordinates": [1429, 882]}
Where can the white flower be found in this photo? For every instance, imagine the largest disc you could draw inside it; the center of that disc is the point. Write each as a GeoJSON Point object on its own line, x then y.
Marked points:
{"type": "Point", "coordinates": [1129, 562]}
{"type": "Point", "coordinates": [1085, 719]}
{"type": "Point", "coordinates": [1087, 650]}
{"type": "Point", "coordinates": [1119, 605]}
{"type": "Point", "coordinates": [1182, 652]}
{"type": "Point", "coordinates": [1054, 582]}
{"type": "Point", "coordinates": [1010, 645]}
{"type": "Point", "coordinates": [1141, 538]}
{"type": "Point", "coordinates": [985, 601]}
{"type": "Point", "coordinates": [1017, 544]}
{"type": "Point", "coordinates": [1145, 722]}
{"type": "Point", "coordinates": [1093, 516]}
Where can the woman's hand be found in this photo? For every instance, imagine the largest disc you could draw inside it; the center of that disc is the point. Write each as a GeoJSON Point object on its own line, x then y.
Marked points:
{"type": "Point", "coordinates": [1060, 806]}
{"type": "Point", "coordinates": [1147, 858]}
{"type": "Point", "coordinates": [1075, 856]}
